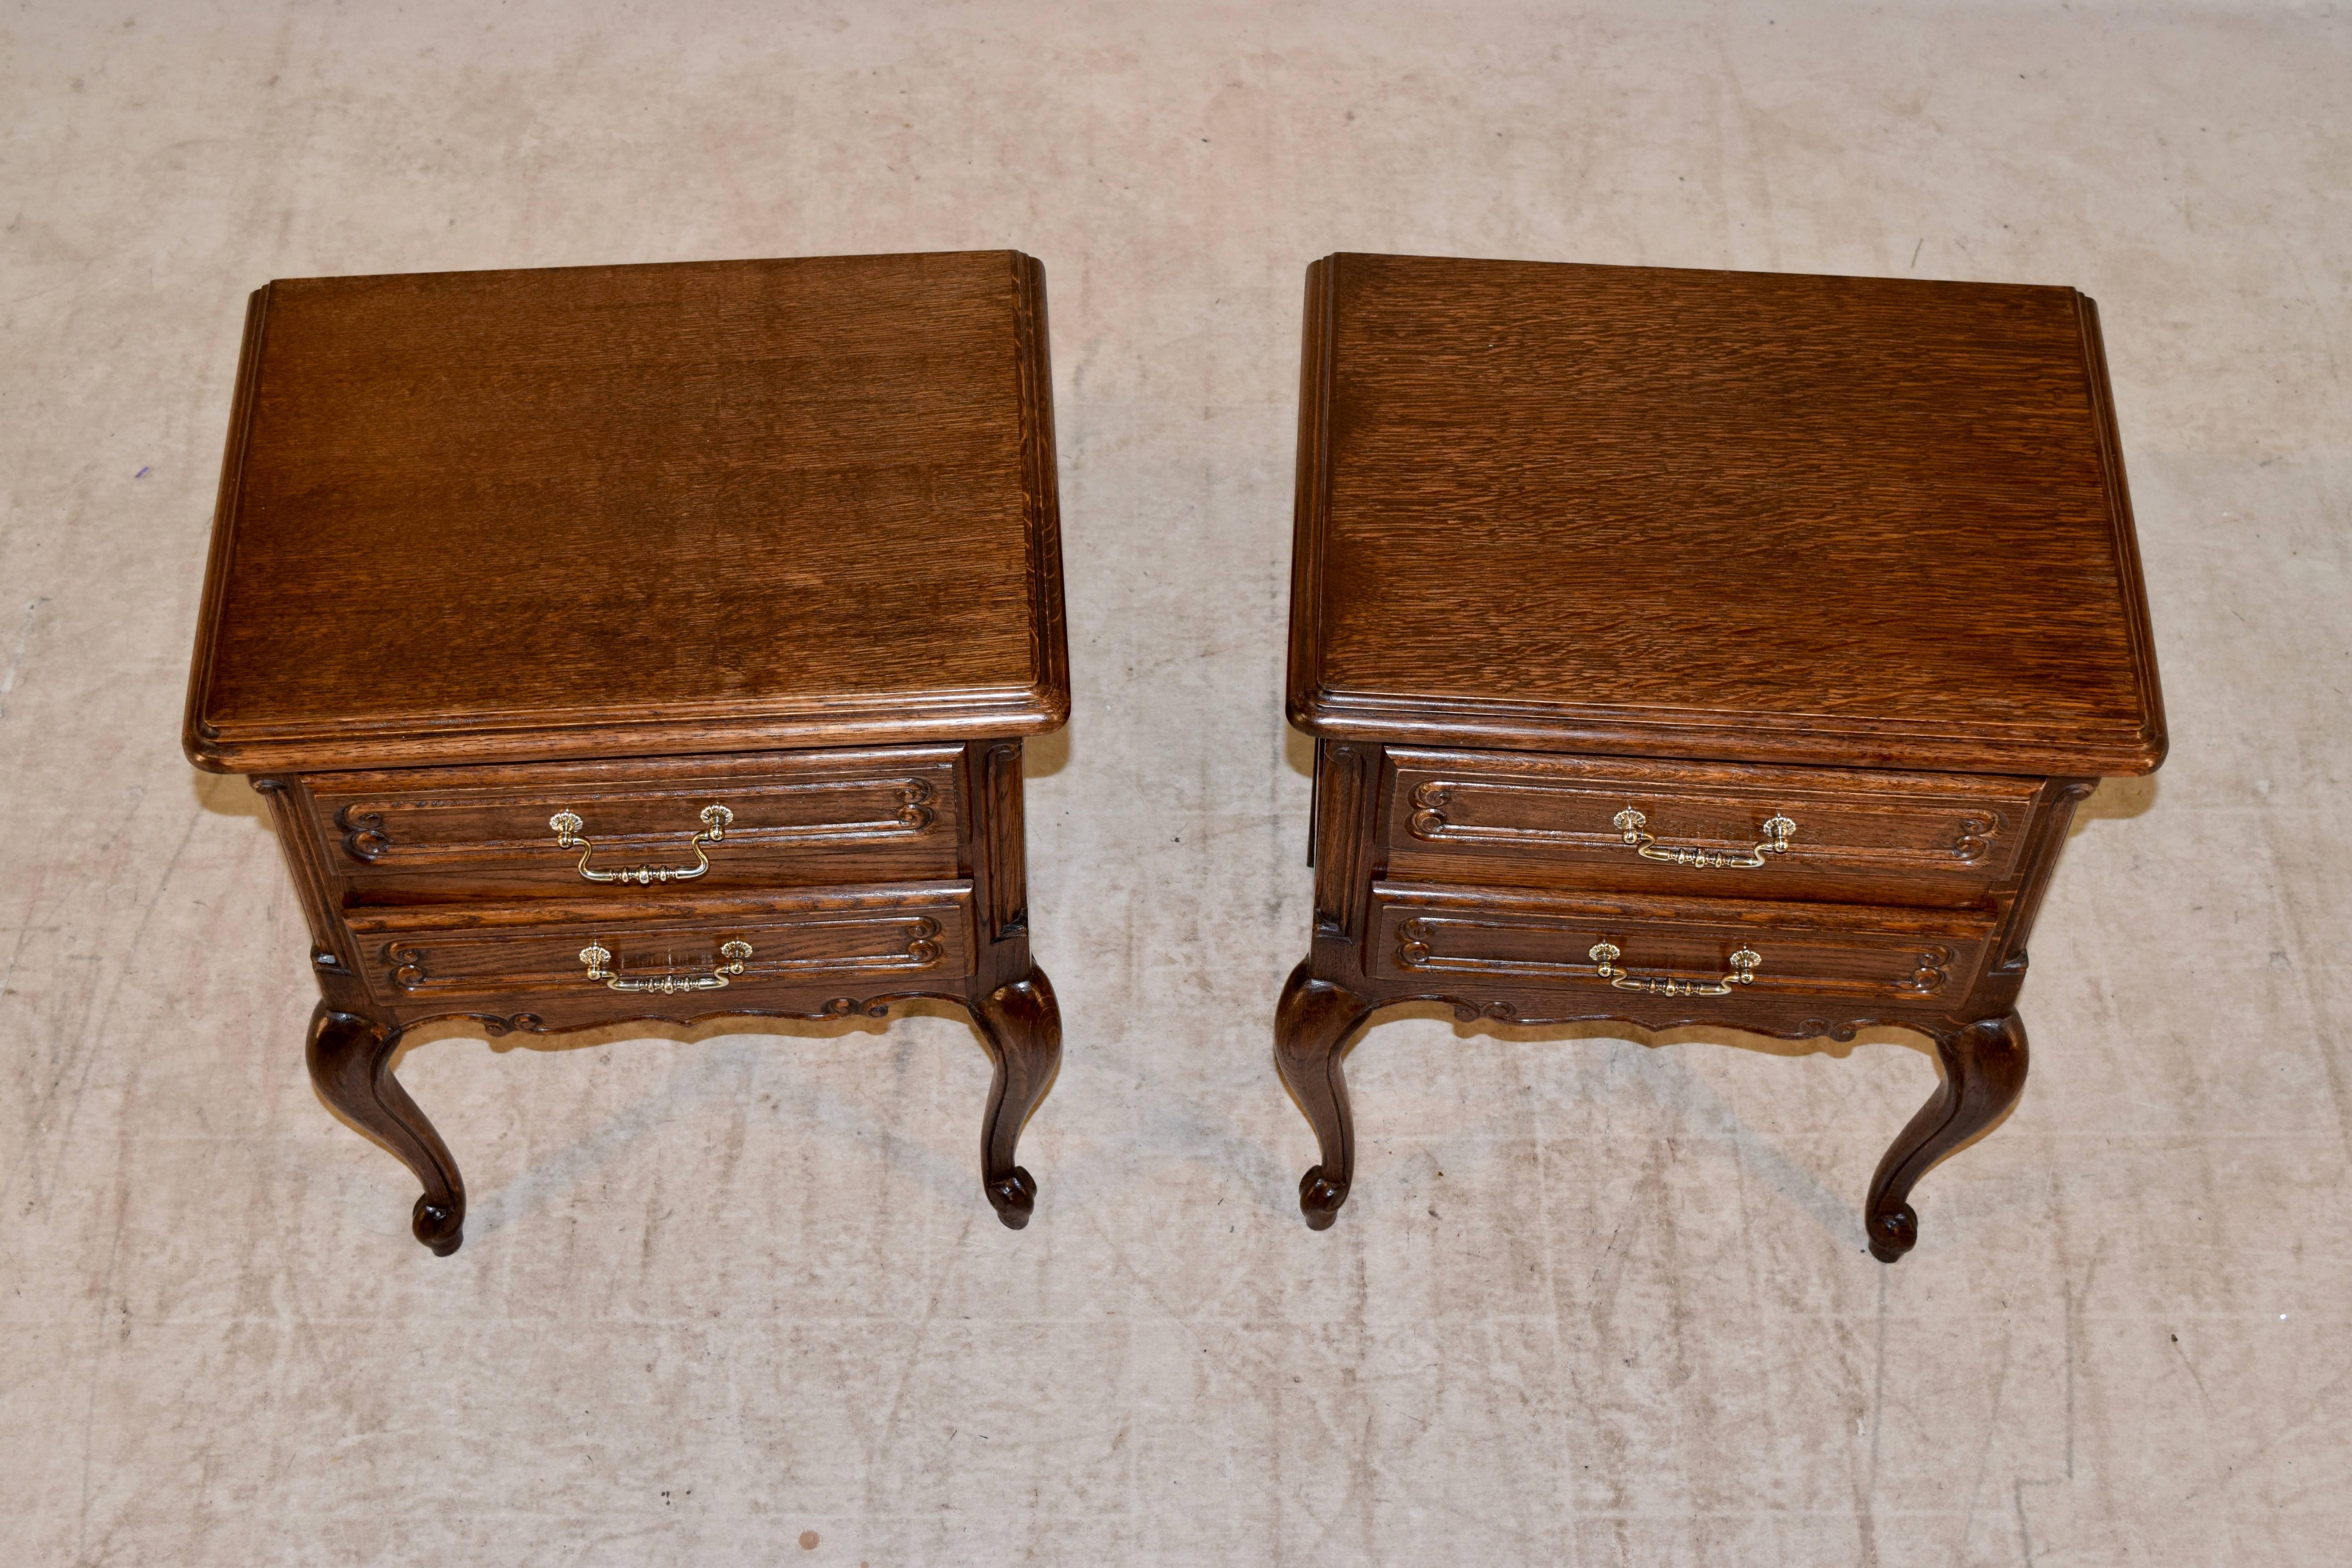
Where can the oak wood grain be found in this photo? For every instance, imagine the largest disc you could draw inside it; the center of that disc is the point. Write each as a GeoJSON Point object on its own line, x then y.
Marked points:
{"type": "Point", "coordinates": [634, 511]}
{"type": "Point", "coordinates": [1732, 516]}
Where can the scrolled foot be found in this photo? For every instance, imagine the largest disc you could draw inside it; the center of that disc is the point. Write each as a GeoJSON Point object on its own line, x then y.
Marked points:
{"type": "Point", "coordinates": [1319, 1198]}
{"type": "Point", "coordinates": [1984, 1072]}
{"type": "Point", "coordinates": [1312, 1021]}
{"type": "Point", "coordinates": [439, 1226]}
{"type": "Point", "coordinates": [1893, 1233]}
{"type": "Point", "coordinates": [1014, 1197]}
{"type": "Point", "coordinates": [351, 1066]}
{"type": "Point", "coordinates": [1021, 1025]}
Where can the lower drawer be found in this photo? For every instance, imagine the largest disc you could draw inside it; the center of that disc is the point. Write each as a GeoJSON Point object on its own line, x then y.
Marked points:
{"type": "Point", "coordinates": [1674, 946]}
{"type": "Point", "coordinates": [515, 953]}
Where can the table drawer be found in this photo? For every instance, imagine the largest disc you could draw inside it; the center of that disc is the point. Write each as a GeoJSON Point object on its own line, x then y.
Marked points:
{"type": "Point", "coordinates": [1527, 819]}
{"type": "Point", "coordinates": [515, 955]}
{"type": "Point", "coordinates": [783, 819]}
{"type": "Point", "coordinates": [1452, 936]}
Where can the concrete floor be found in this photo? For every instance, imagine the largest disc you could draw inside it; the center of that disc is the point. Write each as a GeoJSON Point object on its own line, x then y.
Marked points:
{"type": "Point", "coordinates": [735, 1298]}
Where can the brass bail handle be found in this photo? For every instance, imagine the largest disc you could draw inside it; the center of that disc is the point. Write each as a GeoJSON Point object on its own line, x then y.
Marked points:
{"type": "Point", "coordinates": [596, 955]}
{"type": "Point", "coordinates": [715, 819]}
{"type": "Point", "coordinates": [1606, 953]}
{"type": "Point", "coordinates": [1778, 830]}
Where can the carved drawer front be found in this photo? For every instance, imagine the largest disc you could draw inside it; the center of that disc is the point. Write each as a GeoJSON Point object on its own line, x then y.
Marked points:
{"type": "Point", "coordinates": [777, 819]}
{"type": "Point", "coordinates": [1702, 830]}
{"type": "Point", "coordinates": [1459, 941]}
{"type": "Point", "coordinates": [517, 957]}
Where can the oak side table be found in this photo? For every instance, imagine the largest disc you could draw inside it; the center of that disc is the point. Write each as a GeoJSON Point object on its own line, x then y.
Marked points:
{"type": "Point", "coordinates": [644, 643]}
{"type": "Point", "coordinates": [1701, 648]}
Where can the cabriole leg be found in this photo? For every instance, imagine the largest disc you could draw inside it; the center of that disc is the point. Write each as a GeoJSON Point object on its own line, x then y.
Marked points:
{"type": "Point", "coordinates": [1021, 1025]}
{"type": "Point", "coordinates": [351, 1063]}
{"type": "Point", "coordinates": [1984, 1072]}
{"type": "Point", "coordinates": [1311, 1022]}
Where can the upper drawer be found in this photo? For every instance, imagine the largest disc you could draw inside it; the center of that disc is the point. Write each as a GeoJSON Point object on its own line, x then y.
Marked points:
{"type": "Point", "coordinates": [786, 818]}
{"type": "Point", "coordinates": [1547, 821]}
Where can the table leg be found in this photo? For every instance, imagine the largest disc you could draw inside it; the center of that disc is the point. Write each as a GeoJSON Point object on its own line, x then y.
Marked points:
{"type": "Point", "coordinates": [351, 1063]}
{"type": "Point", "coordinates": [1984, 1072]}
{"type": "Point", "coordinates": [1311, 1023]}
{"type": "Point", "coordinates": [1021, 1025]}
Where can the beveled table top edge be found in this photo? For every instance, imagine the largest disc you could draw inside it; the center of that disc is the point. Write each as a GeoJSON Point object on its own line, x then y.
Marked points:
{"type": "Point", "coordinates": [868, 721]}
{"type": "Point", "coordinates": [1770, 737]}
{"type": "Point", "coordinates": [331, 279]}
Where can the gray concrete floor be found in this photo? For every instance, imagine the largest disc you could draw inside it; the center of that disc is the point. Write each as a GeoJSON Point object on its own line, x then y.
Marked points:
{"type": "Point", "coordinates": [727, 1293]}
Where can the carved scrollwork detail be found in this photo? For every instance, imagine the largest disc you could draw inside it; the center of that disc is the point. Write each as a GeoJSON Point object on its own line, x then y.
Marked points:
{"type": "Point", "coordinates": [408, 964]}
{"type": "Point", "coordinates": [1429, 802]}
{"type": "Point", "coordinates": [1974, 839]}
{"type": "Point", "coordinates": [1468, 1010]}
{"type": "Point", "coordinates": [1933, 971]}
{"type": "Point", "coordinates": [851, 1007]}
{"type": "Point", "coordinates": [363, 835]}
{"type": "Point", "coordinates": [920, 947]}
{"type": "Point", "coordinates": [914, 812]}
{"type": "Point", "coordinates": [1412, 945]}
{"type": "Point", "coordinates": [494, 1025]}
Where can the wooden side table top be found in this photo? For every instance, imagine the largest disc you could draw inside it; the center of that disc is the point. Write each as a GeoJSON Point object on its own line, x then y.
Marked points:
{"type": "Point", "coordinates": [1870, 522]}
{"type": "Point", "coordinates": [654, 509]}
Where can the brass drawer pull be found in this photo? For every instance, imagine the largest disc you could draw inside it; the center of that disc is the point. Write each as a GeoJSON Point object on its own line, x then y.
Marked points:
{"type": "Point", "coordinates": [1777, 832]}
{"type": "Point", "coordinates": [1743, 970]}
{"type": "Point", "coordinates": [595, 956]}
{"type": "Point", "coordinates": [715, 818]}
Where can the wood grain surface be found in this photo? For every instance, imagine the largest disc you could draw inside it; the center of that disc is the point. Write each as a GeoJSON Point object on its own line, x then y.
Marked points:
{"type": "Point", "coordinates": [615, 511]}
{"type": "Point", "coordinates": [1737, 516]}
